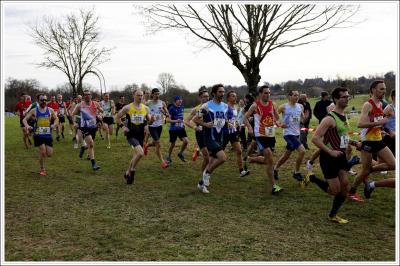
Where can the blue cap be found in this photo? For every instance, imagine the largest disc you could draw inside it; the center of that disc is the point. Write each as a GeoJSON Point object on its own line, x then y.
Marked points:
{"type": "Point", "coordinates": [177, 97]}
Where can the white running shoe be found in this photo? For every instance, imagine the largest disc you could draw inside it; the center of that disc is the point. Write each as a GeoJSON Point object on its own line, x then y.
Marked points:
{"type": "Point", "coordinates": [75, 145]}
{"type": "Point", "coordinates": [384, 172]}
{"type": "Point", "coordinates": [309, 166]}
{"type": "Point", "coordinates": [203, 188]}
{"type": "Point", "coordinates": [206, 178]}
{"type": "Point", "coordinates": [244, 173]}
{"type": "Point", "coordinates": [352, 172]}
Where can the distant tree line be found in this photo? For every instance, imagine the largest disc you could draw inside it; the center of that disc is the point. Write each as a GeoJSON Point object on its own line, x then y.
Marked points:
{"type": "Point", "coordinates": [312, 87]}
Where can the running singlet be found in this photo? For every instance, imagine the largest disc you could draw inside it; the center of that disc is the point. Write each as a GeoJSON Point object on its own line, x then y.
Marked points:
{"type": "Point", "coordinates": [264, 120]}
{"type": "Point", "coordinates": [391, 124]}
{"type": "Point", "coordinates": [337, 138]}
{"type": "Point", "coordinates": [88, 115]}
{"type": "Point", "coordinates": [107, 108]}
{"type": "Point", "coordinates": [156, 110]}
{"type": "Point", "coordinates": [136, 117]}
{"type": "Point", "coordinates": [232, 119]}
{"type": "Point", "coordinates": [54, 106]}
{"type": "Point", "coordinates": [375, 115]}
{"type": "Point", "coordinates": [43, 124]}
{"type": "Point", "coordinates": [61, 109]}
{"type": "Point", "coordinates": [176, 112]}
{"type": "Point", "coordinates": [291, 118]}
{"type": "Point", "coordinates": [217, 113]}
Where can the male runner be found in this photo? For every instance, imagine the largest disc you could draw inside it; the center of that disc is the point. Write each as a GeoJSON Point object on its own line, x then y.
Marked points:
{"type": "Point", "coordinates": [118, 106]}
{"type": "Point", "coordinates": [61, 114]}
{"type": "Point", "coordinates": [108, 117]}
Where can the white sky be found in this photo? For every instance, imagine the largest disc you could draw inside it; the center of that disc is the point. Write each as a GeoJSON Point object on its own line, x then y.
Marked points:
{"type": "Point", "coordinates": [368, 48]}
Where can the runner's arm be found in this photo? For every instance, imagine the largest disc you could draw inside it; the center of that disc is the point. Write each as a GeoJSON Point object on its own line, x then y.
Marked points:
{"type": "Point", "coordinates": [27, 117]}
{"type": "Point", "coordinates": [189, 118]}
{"type": "Point", "coordinates": [317, 139]}
{"type": "Point", "coordinates": [247, 116]}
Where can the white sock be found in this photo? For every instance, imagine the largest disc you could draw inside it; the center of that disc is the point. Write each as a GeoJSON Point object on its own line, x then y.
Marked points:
{"type": "Point", "coordinates": [372, 184]}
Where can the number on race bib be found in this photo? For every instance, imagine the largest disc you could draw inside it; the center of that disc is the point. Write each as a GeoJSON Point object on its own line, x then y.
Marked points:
{"type": "Point", "coordinates": [295, 119]}
{"type": "Point", "coordinates": [270, 132]}
{"type": "Point", "coordinates": [91, 122]}
{"type": "Point", "coordinates": [219, 123]}
{"type": "Point", "coordinates": [137, 118]}
{"type": "Point", "coordinates": [44, 130]}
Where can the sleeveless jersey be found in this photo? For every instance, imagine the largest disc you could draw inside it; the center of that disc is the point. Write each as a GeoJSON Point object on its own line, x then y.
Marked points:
{"type": "Point", "coordinates": [217, 113]}
{"type": "Point", "coordinates": [264, 120]}
{"type": "Point", "coordinates": [375, 115]}
{"type": "Point", "coordinates": [232, 119]}
{"type": "Point", "coordinates": [337, 138]}
{"type": "Point", "coordinates": [176, 112]}
{"type": "Point", "coordinates": [88, 115]}
{"type": "Point", "coordinates": [391, 124]}
{"type": "Point", "coordinates": [61, 109]}
{"type": "Point", "coordinates": [107, 108]}
{"type": "Point", "coordinates": [156, 110]}
{"type": "Point", "coordinates": [43, 123]}
{"type": "Point", "coordinates": [291, 118]}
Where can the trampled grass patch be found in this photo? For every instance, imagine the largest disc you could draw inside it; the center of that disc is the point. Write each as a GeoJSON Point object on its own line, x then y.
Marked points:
{"type": "Point", "coordinates": [75, 214]}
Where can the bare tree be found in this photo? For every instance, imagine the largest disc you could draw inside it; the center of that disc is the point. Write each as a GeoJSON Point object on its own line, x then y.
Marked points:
{"type": "Point", "coordinates": [166, 81]}
{"type": "Point", "coordinates": [70, 45]}
{"type": "Point", "coordinates": [247, 33]}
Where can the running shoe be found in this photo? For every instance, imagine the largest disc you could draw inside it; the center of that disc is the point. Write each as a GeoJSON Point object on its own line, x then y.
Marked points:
{"type": "Point", "coordinates": [95, 167]}
{"type": "Point", "coordinates": [203, 188]}
{"type": "Point", "coordinates": [352, 172]}
{"type": "Point", "coordinates": [354, 160]}
{"type": "Point", "coordinates": [42, 172]}
{"type": "Point", "coordinates": [83, 148]}
{"type": "Point", "coordinates": [195, 154]}
{"type": "Point", "coordinates": [368, 190]}
{"type": "Point", "coordinates": [130, 178]}
{"type": "Point", "coordinates": [355, 197]}
{"type": "Point", "coordinates": [384, 172]}
{"type": "Point", "coordinates": [169, 160]}
{"type": "Point", "coordinates": [164, 165]}
{"type": "Point", "coordinates": [276, 177]}
{"type": "Point", "coordinates": [304, 183]}
{"type": "Point", "coordinates": [309, 166]}
{"type": "Point", "coordinates": [145, 149]}
{"type": "Point", "coordinates": [206, 178]}
{"type": "Point", "coordinates": [337, 219]}
{"type": "Point", "coordinates": [180, 155]}
{"type": "Point", "coordinates": [244, 173]}
{"type": "Point", "coordinates": [276, 189]}
{"type": "Point", "coordinates": [298, 176]}
{"type": "Point", "coordinates": [108, 146]}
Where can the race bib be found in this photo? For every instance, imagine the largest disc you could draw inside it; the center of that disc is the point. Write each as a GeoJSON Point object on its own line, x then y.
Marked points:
{"type": "Point", "coordinates": [137, 118]}
{"type": "Point", "coordinates": [61, 111]}
{"type": "Point", "coordinates": [44, 130]}
{"type": "Point", "coordinates": [270, 132]}
{"type": "Point", "coordinates": [219, 123]}
{"type": "Point", "coordinates": [179, 124]}
{"type": "Point", "coordinates": [377, 119]}
{"type": "Point", "coordinates": [295, 119]}
{"type": "Point", "coordinates": [158, 116]}
{"type": "Point", "coordinates": [91, 122]}
{"type": "Point", "coordinates": [344, 141]}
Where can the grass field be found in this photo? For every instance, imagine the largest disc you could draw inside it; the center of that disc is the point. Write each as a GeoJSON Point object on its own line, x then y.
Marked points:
{"type": "Point", "coordinates": [75, 214]}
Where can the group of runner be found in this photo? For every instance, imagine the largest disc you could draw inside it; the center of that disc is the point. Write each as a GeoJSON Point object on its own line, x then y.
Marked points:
{"type": "Point", "coordinates": [217, 123]}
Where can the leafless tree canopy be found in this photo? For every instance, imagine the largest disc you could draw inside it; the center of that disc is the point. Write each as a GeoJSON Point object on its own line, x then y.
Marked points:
{"type": "Point", "coordinates": [166, 80]}
{"type": "Point", "coordinates": [247, 33]}
{"type": "Point", "coordinates": [71, 45]}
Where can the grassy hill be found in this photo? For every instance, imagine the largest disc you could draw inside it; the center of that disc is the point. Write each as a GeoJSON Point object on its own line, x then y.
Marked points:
{"type": "Point", "coordinates": [77, 214]}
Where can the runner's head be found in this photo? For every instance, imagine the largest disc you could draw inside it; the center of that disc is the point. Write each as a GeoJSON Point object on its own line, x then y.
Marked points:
{"type": "Point", "coordinates": [87, 96]}
{"type": "Point", "coordinates": [392, 95]}
{"type": "Point", "coordinates": [122, 98]}
{"type": "Point", "coordinates": [241, 103]}
{"type": "Point", "coordinates": [178, 100]}
{"type": "Point", "coordinates": [248, 98]}
{"type": "Point", "coordinates": [340, 97]}
{"type": "Point", "coordinates": [293, 96]}
{"type": "Point", "coordinates": [231, 97]}
{"type": "Point", "coordinates": [324, 95]}
{"type": "Point", "coordinates": [53, 98]}
{"type": "Point", "coordinates": [203, 95]}
{"type": "Point", "coordinates": [155, 94]}
{"type": "Point", "coordinates": [217, 92]}
{"type": "Point", "coordinates": [303, 98]}
{"type": "Point", "coordinates": [264, 92]}
{"type": "Point", "coordinates": [42, 100]}
{"type": "Point", "coordinates": [138, 96]}
{"type": "Point", "coordinates": [106, 96]}
{"type": "Point", "coordinates": [378, 89]}
{"type": "Point", "coordinates": [59, 97]}
{"type": "Point", "coordinates": [23, 97]}
{"type": "Point", "coordinates": [79, 98]}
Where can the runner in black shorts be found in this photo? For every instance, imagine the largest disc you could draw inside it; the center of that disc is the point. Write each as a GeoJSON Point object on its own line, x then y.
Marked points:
{"type": "Point", "coordinates": [118, 106]}
{"type": "Point", "coordinates": [332, 138]}
{"type": "Point", "coordinates": [108, 117]}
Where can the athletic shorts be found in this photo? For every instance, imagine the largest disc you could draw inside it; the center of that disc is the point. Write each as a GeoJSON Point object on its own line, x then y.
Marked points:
{"type": "Point", "coordinates": [213, 148]}
{"type": "Point", "coordinates": [331, 166]}
{"type": "Point", "coordinates": [265, 142]}
{"type": "Point", "coordinates": [109, 120]}
{"type": "Point", "coordinates": [200, 139]}
{"type": "Point", "coordinates": [155, 132]}
{"type": "Point", "coordinates": [293, 142]}
{"type": "Point", "coordinates": [232, 138]}
{"type": "Point", "coordinates": [391, 143]}
{"type": "Point", "coordinates": [38, 141]}
{"type": "Point", "coordinates": [135, 142]}
{"type": "Point", "coordinates": [174, 134]}
{"type": "Point", "coordinates": [69, 119]}
{"type": "Point", "coordinates": [61, 119]}
{"type": "Point", "coordinates": [99, 121]}
{"type": "Point", "coordinates": [86, 131]}
{"type": "Point", "coordinates": [372, 146]}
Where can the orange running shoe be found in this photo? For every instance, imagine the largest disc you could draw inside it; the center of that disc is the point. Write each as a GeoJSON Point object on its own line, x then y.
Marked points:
{"type": "Point", "coordinates": [164, 165]}
{"type": "Point", "coordinates": [43, 172]}
{"type": "Point", "coordinates": [355, 197]}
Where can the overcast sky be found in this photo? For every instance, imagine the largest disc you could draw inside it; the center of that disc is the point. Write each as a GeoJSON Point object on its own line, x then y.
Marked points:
{"type": "Point", "coordinates": [368, 48]}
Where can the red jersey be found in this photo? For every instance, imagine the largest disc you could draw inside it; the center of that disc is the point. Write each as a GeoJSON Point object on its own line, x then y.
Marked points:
{"type": "Point", "coordinates": [22, 107]}
{"type": "Point", "coordinates": [54, 106]}
{"type": "Point", "coordinates": [376, 114]}
{"type": "Point", "coordinates": [264, 120]}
